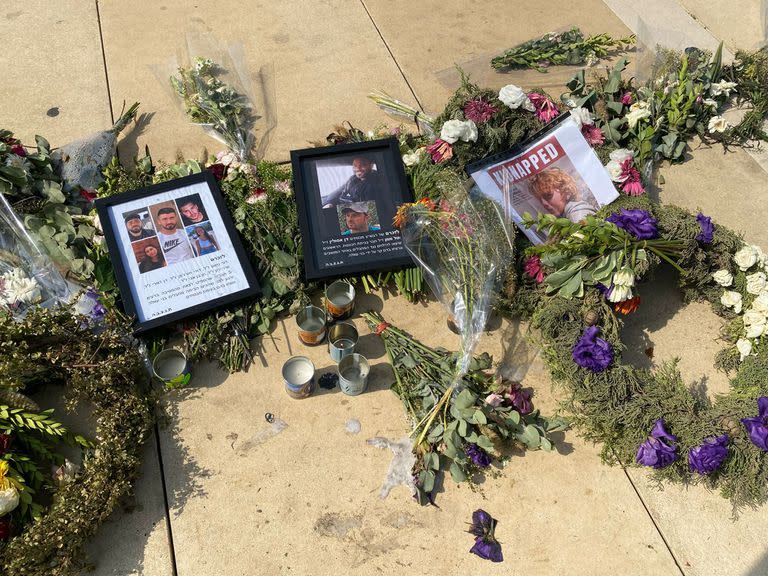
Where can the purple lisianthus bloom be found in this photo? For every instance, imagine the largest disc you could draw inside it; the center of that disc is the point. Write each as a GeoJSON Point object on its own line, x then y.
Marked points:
{"type": "Point", "coordinates": [604, 290]}
{"type": "Point", "coordinates": [707, 228]}
{"type": "Point", "coordinates": [757, 427]}
{"type": "Point", "coordinates": [708, 456]}
{"type": "Point", "coordinates": [660, 449]}
{"type": "Point", "coordinates": [592, 352]}
{"type": "Point", "coordinates": [98, 311]}
{"type": "Point", "coordinates": [521, 398]}
{"type": "Point", "coordinates": [637, 222]}
{"type": "Point", "coordinates": [478, 456]}
{"type": "Point", "coordinates": [483, 527]}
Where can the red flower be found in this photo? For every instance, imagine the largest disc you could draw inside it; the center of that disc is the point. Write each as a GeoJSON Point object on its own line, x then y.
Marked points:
{"type": "Point", "coordinates": [440, 151]}
{"type": "Point", "coordinates": [534, 269]}
{"type": "Point", "coordinates": [6, 527]}
{"type": "Point", "coordinates": [631, 183]}
{"type": "Point", "coordinates": [18, 149]}
{"type": "Point", "coordinates": [545, 108]}
{"type": "Point", "coordinates": [628, 306]}
{"type": "Point", "coordinates": [479, 111]}
{"type": "Point", "coordinates": [626, 98]}
{"type": "Point", "coordinates": [219, 170]}
{"type": "Point", "coordinates": [5, 443]}
{"type": "Point", "coordinates": [592, 134]}
{"type": "Point", "coordinates": [88, 194]}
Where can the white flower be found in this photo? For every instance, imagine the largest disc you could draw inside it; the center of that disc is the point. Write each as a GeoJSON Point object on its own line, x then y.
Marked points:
{"type": "Point", "coordinates": [413, 158]}
{"type": "Point", "coordinates": [722, 87]}
{"type": "Point", "coordinates": [226, 158]}
{"type": "Point", "coordinates": [717, 124]}
{"type": "Point", "coordinates": [711, 103]}
{"type": "Point", "coordinates": [582, 116]}
{"type": "Point", "coordinates": [247, 169]}
{"type": "Point", "coordinates": [754, 323]}
{"type": "Point", "coordinates": [756, 283]}
{"type": "Point", "coordinates": [454, 130]}
{"type": "Point", "coordinates": [620, 293]}
{"type": "Point", "coordinates": [760, 304]}
{"type": "Point", "coordinates": [614, 171]}
{"type": "Point", "coordinates": [515, 97]}
{"type": "Point", "coordinates": [9, 499]}
{"type": "Point", "coordinates": [746, 257]}
{"type": "Point", "coordinates": [624, 277]}
{"type": "Point", "coordinates": [744, 347]}
{"type": "Point", "coordinates": [638, 111]}
{"type": "Point", "coordinates": [731, 299]}
{"type": "Point", "coordinates": [22, 290]}
{"type": "Point", "coordinates": [723, 277]}
{"type": "Point", "coordinates": [621, 154]}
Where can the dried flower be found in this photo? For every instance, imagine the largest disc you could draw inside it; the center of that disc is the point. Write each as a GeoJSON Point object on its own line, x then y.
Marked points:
{"type": "Point", "coordinates": [479, 111]}
{"type": "Point", "coordinates": [483, 527]}
{"type": "Point", "coordinates": [627, 306]}
{"type": "Point", "coordinates": [593, 135]}
{"type": "Point", "coordinates": [219, 170]}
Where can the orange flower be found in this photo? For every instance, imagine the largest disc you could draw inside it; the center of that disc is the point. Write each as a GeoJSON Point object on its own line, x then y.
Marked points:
{"type": "Point", "coordinates": [400, 216]}
{"type": "Point", "coordinates": [628, 306]}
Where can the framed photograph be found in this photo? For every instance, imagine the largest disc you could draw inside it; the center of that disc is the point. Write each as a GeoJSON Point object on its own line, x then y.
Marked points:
{"type": "Point", "coordinates": [347, 196]}
{"type": "Point", "coordinates": [555, 172]}
{"type": "Point", "coordinates": [175, 250]}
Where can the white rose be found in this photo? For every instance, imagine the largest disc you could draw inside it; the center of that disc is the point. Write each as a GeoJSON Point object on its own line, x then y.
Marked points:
{"type": "Point", "coordinates": [582, 116]}
{"type": "Point", "coordinates": [412, 158]}
{"type": "Point", "coordinates": [731, 299]}
{"type": "Point", "coordinates": [624, 277]}
{"type": "Point", "coordinates": [454, 130]}
{"type": "Point", "coordinates": [711, 103]}
{"type": "Point", "coordinates": [621, 154]}
{"type": "Point", "coordinates": [228, 158]}
{"type": "Point", "coordinates": [760, 304]}
{"type": "Point", "coordinates": [752, 317]}
{"type": "Point", "coordinates": [614, 171]}
{"type": "Point", "coordinates": [717, 124]}
{"type": "Point", "coordinates": [723, 277]}
{"type": "Point", "coordinates": [620, 293]}
{"type": "Point", "coordinates": [755, 283]}
{"type": "Point", "coordinates": [744, 347]}
{"type": "Point", "coordinates": [746, 257]}
{"type": "Point", "coordinates": [9, 499]}
{"type": "Point", "coordinates": [638, 111]}
{"type": "Point", "coordinates": [722, 87]}
{"type": "Point", "coordinates": [515, 97]}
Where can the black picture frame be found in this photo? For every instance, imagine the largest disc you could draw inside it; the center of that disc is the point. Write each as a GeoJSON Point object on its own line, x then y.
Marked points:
{"type": "Point", "coordinates": [318, 222]}
{"type": "Point", "coordinates": [176, 189]}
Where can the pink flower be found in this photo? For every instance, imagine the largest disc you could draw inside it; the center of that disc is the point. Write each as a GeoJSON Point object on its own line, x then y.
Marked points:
{"type": "Point", "coordinates": [440, 151]}
{"type": "Point", "coordinates": [479, 111]}
{"type": "Point", "coordinates": [545, 108]}
{"type": "Point", "coordinates": [534, 269]}
{"type": "Point", "coordinates": [256, 195]}
{"type": "Point", "coordinates": [395, 131]}
{"type": "Point", "coordinates": [626, 98]}
{"type": "Point", "coordinates": [592, 134]}
{"type": "Point", "coordinates": [494, 400]}
{"type": "Point", "coordinates": [632, 184]}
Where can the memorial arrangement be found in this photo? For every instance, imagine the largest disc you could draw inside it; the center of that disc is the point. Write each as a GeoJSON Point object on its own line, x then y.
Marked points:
{"type": "Point", "coordinates": [570, 171]}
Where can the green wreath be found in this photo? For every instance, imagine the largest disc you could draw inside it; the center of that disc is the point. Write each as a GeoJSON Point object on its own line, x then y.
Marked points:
{"type": "Point", "coordinates": [101, 369]}
{"type": "Point", "coordinates": [619, 405]}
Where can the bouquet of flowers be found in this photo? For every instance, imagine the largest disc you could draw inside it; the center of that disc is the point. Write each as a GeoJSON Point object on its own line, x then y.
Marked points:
{"type": "Point", "coordinates": [464, 432]}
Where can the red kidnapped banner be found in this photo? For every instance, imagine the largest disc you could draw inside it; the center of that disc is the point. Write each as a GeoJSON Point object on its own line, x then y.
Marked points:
{"type": "Point", "coordinates": [527, 164]}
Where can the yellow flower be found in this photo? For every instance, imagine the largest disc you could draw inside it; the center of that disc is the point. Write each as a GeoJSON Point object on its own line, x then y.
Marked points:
{"type": "Point", "coordinates": [6, 481]}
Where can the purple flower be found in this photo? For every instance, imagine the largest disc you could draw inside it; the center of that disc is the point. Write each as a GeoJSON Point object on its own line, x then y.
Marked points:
{"type": "Point", "coordinates": [478, 456]}
{"type": "Point", "coordinates": [592, 352]}
{"type": "Point", "coordinates": [98, 311]}
{"type": "Point", "coordinates": [520, 398]}
{"type": "Point", "coordinates": [707, 228]}
{"type": "Point", "coordinates": [660, 449]}
{"type": "Point", "coordinates": [757, 427]}
{"type": "Point", "coordinates": [605, 291]}
{"type": "Point", "coordinates": [709, 455]}
{"type": "Point", "coordinates": [486, 546]}
{"type": "Point", "coordinates": [639, 223]}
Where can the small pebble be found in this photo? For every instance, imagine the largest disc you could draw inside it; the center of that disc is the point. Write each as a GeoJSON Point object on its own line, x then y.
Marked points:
{"type": "Point", "coordinates": [328, 380]}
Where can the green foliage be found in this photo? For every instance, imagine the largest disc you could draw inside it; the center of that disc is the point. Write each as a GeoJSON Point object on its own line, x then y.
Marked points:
{"type": "Point", "coordinates": [750, 72]}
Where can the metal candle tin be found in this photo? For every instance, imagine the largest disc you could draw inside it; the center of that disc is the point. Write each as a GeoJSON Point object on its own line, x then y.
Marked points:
{"type": "Point", "coordinates": [171, 367]}
{"type": "Point", "coordinates": [312, 322]}
{"type": "Point", "coordinates": [353, 374]}
{"type": "Point", "coordinates": [299, 377]}
{"type": "Point", "coordinates": [340, 299]}
{"type": "Point", "coordinates": [342, 339]}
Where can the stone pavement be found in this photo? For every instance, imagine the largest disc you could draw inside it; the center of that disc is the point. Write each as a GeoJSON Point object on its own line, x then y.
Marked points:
{"type": "Point", "coordinates": [221, 492]}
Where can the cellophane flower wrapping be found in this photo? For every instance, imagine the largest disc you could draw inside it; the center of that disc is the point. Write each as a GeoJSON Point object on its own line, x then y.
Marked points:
{"type": "Point", "coordinates": [455, 240]}
{"type": "Point", "coordinates": [212, 83]}
{"type": "Point", "coordinates": [28, 277]}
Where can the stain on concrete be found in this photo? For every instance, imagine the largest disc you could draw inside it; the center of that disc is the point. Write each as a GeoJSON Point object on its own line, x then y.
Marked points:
{"type": "Point", "coordinates": [281, 38]}
{"type": "Point", "coordinates": [335, 525]}
{"type": "Point", "coordinates": [13, 15]}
